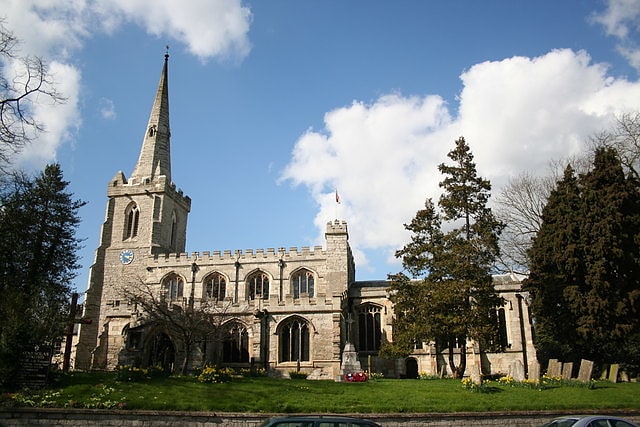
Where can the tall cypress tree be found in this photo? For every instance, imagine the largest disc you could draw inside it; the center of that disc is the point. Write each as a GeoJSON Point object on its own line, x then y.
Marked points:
{"type": "Point", "coordinates": [585, 266]}
{"type": "Point", "coordinates": [38, 252]}
{"type": "Point", "coordinates": [454, 299]}
{"type": "Point", "coordinates": [556, 263]}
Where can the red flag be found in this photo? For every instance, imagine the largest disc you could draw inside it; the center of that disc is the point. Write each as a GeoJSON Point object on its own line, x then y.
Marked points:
{"type": "Point", "coordinates": [337, 197]}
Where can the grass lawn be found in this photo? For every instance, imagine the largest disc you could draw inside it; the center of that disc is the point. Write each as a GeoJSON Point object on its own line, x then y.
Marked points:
{"type": "Point", "coordinates": [289, 396]}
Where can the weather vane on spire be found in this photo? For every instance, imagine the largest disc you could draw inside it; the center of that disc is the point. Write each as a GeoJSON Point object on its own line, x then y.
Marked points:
{"type": "Point", "coordinates": [166, 51]}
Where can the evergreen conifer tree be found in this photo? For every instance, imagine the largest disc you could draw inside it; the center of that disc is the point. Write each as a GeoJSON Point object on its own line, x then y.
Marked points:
{"type": "Point", "coordinates": [453, 299]}
{"type": "Point", "coordinates": [585, 266]}
{"type": "Point", "coordinates": [38, 254]}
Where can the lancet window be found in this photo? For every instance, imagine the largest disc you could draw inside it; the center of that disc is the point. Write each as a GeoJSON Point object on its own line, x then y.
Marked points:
{"type": "Point", "coordinates": [132, 218]}
{"type": "Point", "coordinates": [258, 286]}
{"type": "Point", "coordinates": [173, 287]}
{"type": "Point", "coordinates": [215, 287]}
{"type": "Point", "coordinates": [294, 341]}
{"type": "Point", "coordinates": [302, 282]}
{"type": "Point", "coordinates": [235, 347]}
{"type": "Point", "coordinates": [369, 328]}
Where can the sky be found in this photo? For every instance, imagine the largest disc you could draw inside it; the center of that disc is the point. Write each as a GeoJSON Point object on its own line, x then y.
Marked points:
{"type": "Point", "coordinates": [277, 105]}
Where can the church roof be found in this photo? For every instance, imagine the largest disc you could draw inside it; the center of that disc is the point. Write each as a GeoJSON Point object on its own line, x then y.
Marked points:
{"type": "Point", "coordinates": [155, 155]}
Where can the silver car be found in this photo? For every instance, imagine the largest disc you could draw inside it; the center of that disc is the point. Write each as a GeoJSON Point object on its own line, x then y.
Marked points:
{"type": "Point", "coordinates": [590, 421]}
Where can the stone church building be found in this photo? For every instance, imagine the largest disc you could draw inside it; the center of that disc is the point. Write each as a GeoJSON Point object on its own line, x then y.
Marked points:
{"type": "Point", "coordinates": [278, 309]}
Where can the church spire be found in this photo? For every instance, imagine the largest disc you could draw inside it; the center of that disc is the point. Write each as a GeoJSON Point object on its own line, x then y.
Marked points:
{"type": "Point", "coordinates": [155, 156]}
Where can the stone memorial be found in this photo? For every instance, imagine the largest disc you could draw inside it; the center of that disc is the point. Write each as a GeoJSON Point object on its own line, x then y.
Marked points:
{"type": "Point", "coordinates": [516, 370]}
{"type": "Point", "coordinates": [613, 372]}
{"type": "Point", "coordinates": [567, 370]}
{"type": "Point", "coordinates": [586, 370]}
{"type": "Point", "coordinates": [34, 367]}
{"type": "Point", "coordinates": [554, 369]}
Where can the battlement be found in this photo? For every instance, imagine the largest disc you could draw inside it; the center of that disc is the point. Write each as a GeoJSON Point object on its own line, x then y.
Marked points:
{"type": "Point", "coordinates": [337, 227]}
{"type": "Point", "coordinates": [271, 254]}
{"type": "Point", "coordinates": [119, 185]}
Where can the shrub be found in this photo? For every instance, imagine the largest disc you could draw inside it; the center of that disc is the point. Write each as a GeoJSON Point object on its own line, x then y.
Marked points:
{"type": "Point", "coordinates": [214, 374]}
{"type": "Point", "coordinates": [298, 375]}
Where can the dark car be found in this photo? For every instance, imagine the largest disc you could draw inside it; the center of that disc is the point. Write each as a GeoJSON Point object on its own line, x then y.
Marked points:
{"type": "Point", "coordinates": [590, 421]}
{"type": "Point", "coordinates": [318, 421]}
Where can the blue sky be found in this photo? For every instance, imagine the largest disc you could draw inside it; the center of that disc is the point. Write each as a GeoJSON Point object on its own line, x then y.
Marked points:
{"type": "Point", "coordinates": [276, 104]}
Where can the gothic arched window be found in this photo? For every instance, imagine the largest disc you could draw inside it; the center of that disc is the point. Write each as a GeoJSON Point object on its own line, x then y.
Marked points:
{"type": "Point", "coordinates": [235, 345]}
{"type": "Point", "coordinates": [215, 287]}
{"type": "Point", "coordinates": [132, 218]}
{"type": "Point", "coordinates": [173, 287]}
{"type": "Point", "coordinates": [174, 230]}
{"type": "Point", "coordinates": [258, 286]}
{"type": "Point", "coordinates": [294, 341]}
{"type": "Point", "coordinates": [302, 282]}
{"type": "Point", "coordinates": [369, 327]}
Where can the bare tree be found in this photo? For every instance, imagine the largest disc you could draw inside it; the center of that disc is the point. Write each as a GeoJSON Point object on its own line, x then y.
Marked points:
{"type": "Point", "coordinates": [519, 205]}
{"type": "Point", "coordinates": [624, 137]}
{"type": "Point", "coordinates": [24, 81]}
{"type": "Point", "coordinates": [186, 321]}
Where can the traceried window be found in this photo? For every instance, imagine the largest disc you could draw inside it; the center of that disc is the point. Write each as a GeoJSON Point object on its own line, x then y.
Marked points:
{"type": "Point", "coordinates": [215, 287]}
{"type": "Point", "coordinates": [258, 286]}
{"type": "Point", "coordinates": [132, 218]}
{"type": "Point", "coordinates": [235, 347]}
{"type": "Point", "coordinates": [173, 287]}
{"type": "Point", "coordinates": [302, 283]}
{"type": "Point", "coordinates": [369, 328]}
{"type": "Point", "coordinates": [294, 341]}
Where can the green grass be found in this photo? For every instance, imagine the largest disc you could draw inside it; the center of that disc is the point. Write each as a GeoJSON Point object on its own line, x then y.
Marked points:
{"type": "Point", "coordinates": [295, 396]}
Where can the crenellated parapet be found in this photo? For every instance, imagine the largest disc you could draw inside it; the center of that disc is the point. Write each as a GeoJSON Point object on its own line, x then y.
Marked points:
{"type": "Point", "coordinates": [120, 186]}
{"type": "Point", "coordinates": [270, 254]}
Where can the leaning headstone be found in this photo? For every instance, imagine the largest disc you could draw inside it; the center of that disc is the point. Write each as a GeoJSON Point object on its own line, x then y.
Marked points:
{"type": "Point", "coordinates": [555, 368]}
{"type": "Point", "coordinates": [613, 373]}
{"type": "Point", "coordinates": [516, 370]}
{"type": "Point", "coordinates": [604, 373]}
{"type": "Point", "coordinates": [567, 370]}
{"type": "Point", "coordinates": [534, 371]}
{"type": "Point", "coordinates": [586, 370]}
{"type": "Point", "coordinates": [475, 375]}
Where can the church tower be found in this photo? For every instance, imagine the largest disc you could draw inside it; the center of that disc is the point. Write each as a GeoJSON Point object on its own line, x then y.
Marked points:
{"type": "Point", "coordinates": [146, 215]}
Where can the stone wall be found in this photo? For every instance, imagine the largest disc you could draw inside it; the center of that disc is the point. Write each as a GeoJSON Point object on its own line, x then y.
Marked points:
{"type": "Point", "coordinates": [88, 418]}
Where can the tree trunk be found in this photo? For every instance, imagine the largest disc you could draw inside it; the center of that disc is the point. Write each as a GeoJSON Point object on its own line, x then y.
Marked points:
{"type": "Point", "coordinates": [457, 371]}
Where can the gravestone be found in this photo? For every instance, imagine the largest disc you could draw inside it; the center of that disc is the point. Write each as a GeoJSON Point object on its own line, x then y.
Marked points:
{"type": "Point", "coordinates": [34, 367]}
{"type": "Point", "coordinates": [613, 373]}
{"type": "Point", "coordinates": [516, 370]}
{"type": "Point", "coordinates": [534, 371]}
{"type": "Point", "coordinates": [586, 370]}
{"type": "Point", "coordinates": [555, 368]}
{"type": "Point", "coordinates": [567, 370]}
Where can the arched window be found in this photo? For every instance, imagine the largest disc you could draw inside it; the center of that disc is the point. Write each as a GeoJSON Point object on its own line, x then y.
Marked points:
{"type": "Point", "coordinates": [369, 328]}
{"type": "Point", "coordinates": [215, 287]}
{"type": "Point", "coordinates": [132, 218]}
{"type": "Point", "coordinates": [235, 345]}
{"type": "Point", "coordinates": [173, 287]}
{"type": "Point", "coordinates": [302, 283]}
{"type": "Point", "coordinates": [174, 230]}
{"type": "Point", "coordinates": [294, 341]}
{"type": "Point", "coordinates": [258, 286]}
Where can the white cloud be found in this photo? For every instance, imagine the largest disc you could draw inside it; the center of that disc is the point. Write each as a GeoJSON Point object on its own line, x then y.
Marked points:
{"type": "Point", "coordinates": [55, 29]}
{"type": "Point", "coordinates": [107, 109]}
{"type": "Point", "coordinates": [61, 121]}
{"type": "Point", "coordinates": [516, 114]}
{"type": "Point", "coordinates": [208, 28]}
{"type": "Point", "coordinates": [621, 19]}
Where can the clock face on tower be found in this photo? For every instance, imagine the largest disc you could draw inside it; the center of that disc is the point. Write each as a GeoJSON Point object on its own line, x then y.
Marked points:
{"type": "Point", "coordinates": [126, 256]}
